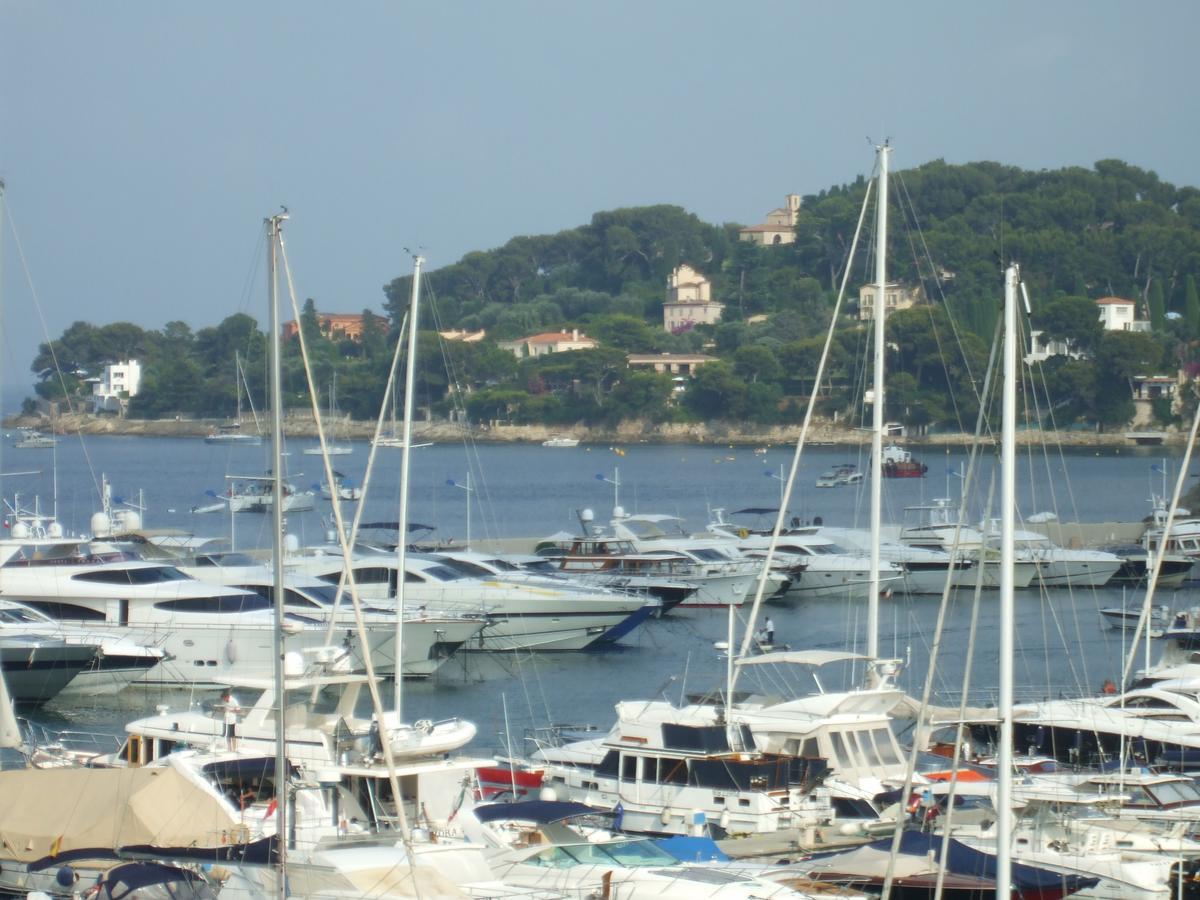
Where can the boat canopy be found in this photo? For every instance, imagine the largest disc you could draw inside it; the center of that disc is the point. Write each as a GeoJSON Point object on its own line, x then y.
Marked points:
{"type": "Point", "coordinates": [48, 812]}
{"type": "Point", "coordinates": [539, 811]}
{"type": "Point", "coordinates": [803, 658]}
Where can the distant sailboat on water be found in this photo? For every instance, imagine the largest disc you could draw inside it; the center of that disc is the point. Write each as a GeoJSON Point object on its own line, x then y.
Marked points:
{"type": "Point", "coordinates": [333, 448]}
{"type": "Point", "coordinates": [231, 433]}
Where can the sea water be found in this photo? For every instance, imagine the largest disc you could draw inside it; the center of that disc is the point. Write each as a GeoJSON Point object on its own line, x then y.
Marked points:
{"type": "Point", "coordinates": [529, 491]}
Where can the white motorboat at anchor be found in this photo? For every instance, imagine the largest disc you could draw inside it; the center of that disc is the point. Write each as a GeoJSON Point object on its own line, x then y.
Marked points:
{"type": "Point", "coordinates": [117, 660]}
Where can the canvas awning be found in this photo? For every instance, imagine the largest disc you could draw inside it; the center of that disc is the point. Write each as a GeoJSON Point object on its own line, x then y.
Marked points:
{"type": "Point", "coordinates": [47, 812]}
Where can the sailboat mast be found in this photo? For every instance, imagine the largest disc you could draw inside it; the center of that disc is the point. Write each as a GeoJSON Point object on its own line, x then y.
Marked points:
{"type": "Point", "coordinates": [880, 319]}
{"type": "Point", "coordinates": [410, 377]}
{"type": "Point", "coordinates": [274, 224]}
{"type": "Point", "coordinates": [1008, 472]}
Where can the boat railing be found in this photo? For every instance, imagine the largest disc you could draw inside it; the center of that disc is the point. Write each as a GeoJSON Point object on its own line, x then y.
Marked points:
{"type": "Point", "coordinates": [558, 734]}
{"type": "Point", "coordinates": [1030, 693]}
{"type": "Point", "coordinates": [80, 743]}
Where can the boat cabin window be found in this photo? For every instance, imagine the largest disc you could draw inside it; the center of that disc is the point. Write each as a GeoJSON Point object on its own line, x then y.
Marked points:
{"type": "Point", "coordinates": [60, 610]}
{"type": "Point", "coordinates": [840, 756]}
{"type": "Point", "coordinates": [230, 603]}
{"type": "Point", "coordinates": [629, 768]}
{"type": "Point", "coordinates": [439, 573]}
{"type": "Point", "coordinates": [1175, 793]}
{"type": "Point", "coordinates": [472, 570]}
{"type": "Point", "coordinates": [147, 575]}
{"type": "Point", "coordinates": [363, 575]}
{"type": "Point", "coordinates": [244, 782]}
{"type": "Point", "coordinates": [16, 616]}
{"type": "Point", "coordinates": [701, 739]}
{"type": "Point", "coordinates": [672, 771]}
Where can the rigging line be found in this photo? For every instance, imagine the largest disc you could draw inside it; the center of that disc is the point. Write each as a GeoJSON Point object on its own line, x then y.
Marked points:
{"type": "Point", "coordinates": [808, 415]}
{"type": "Point", "coordinates": [62, 381]}
{"type": "Point", "coordinates": [962, 710]}
{"type": "Point", "coordinates": [943, 357]}
{"type": "Point", "coordinates": [1080, 681]}
{"type": "Point", "coordinates": [485, 506]}
{"type": "Point", "coordinates": [1074, 508]}
{"type": "Point", "coordinates": [1152, 584]}
{"type": "Point", "coordinates": [389, 759]}
{"type": "Point", "coordinates": [1070, 588]}
{"type": "Point", "coordinates": [968, 486]}
{"type": "Point", "coordinates": [941, 293]}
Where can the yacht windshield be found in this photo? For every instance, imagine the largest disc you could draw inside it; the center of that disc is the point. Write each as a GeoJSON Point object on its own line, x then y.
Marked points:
{"type": "Point", "coordinates": [18, 616]}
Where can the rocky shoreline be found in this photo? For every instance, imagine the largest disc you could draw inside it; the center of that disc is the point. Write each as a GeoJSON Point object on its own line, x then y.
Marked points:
{"type": "Point", "coordinates": [629, 432]}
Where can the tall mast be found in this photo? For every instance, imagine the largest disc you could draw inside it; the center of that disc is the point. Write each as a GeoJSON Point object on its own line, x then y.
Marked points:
{"type": "Point", "coordinates": [274, 224]}
{"type": "Point", "coordinates": [880, 319]}
{"type": "Point", "coordinates": [410, 377]}
{"type": "Point", "coordinates": [1008, 471]}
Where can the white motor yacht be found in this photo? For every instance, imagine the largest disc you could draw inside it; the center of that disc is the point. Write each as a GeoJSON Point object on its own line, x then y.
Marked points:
{"type": "Point", "coordinates": [208, 632]}
{"type": "Point", "coordinates": [551, 846]}
{"type": "Point", "coordinates": [38, 667]}
{"type": "Point", "coordinates": [116, 660]}
{"type": "Point", "coordinates": [520, 617]}
{"type": "Point", "coordinates": [430, 638]}
{"type": "Point", "coordinates": [829, 570]}
{"type": "Point", "coordinates": [936, 527]}
{"type": "Point", "coordinates": [730, 576]}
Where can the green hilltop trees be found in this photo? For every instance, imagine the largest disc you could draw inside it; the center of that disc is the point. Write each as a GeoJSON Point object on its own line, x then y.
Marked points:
{"type": "Point", "coordinates": [1079, 234]}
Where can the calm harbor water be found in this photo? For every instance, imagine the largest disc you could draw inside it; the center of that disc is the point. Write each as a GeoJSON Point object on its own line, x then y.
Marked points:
{"type": "Point", "coordinates": [533, 491]}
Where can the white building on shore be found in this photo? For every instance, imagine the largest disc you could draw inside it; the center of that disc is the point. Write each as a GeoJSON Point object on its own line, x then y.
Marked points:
{"type": "Point", "coordinates": [120, 381]}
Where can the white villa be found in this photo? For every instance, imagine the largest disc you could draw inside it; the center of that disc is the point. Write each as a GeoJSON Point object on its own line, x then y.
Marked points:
{"type": "Point", "coordinates": [689, 301]}
{"type": "Point", "coordinates": [548, 342]}
{"type": "Point", "coordinates": [895, 296]}
{"type": "Point", "coordinates": [1118, 314]}
{"type": "Point", "coordinates": [120, 381]}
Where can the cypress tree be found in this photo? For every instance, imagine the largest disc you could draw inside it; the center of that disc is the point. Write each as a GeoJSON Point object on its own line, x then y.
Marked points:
{"type": "Point", "coordinates": [1158, 312]}
{"type": "Point", "coordinates": [1191, 309]}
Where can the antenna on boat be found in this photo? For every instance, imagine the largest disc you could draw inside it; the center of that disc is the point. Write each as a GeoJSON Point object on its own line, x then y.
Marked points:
{"type": "Point", "coordinates": [615, 481]}
{"type": "Point", "coordinates": [470, 490]}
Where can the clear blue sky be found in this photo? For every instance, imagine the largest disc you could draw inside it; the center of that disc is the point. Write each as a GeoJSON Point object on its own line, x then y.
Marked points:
{"type": "Point", "coordinates": [143, 142]}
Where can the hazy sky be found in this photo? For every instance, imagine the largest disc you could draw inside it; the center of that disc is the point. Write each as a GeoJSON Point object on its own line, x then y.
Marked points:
{"type": "Point", "coordinates": [143, 142]}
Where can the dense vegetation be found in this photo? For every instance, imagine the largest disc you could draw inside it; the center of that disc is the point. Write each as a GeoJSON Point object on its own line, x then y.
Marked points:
{"type": "Point", "coordinates": [1080, 234]}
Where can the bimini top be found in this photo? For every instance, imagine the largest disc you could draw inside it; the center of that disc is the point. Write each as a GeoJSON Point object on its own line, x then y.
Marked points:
{"type": "Point", "coordinates": [539, 811]}
{"type": "Point", "coordinates": [803, 658]}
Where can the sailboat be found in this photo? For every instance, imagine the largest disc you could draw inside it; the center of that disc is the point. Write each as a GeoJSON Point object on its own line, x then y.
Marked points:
{"type": "Point", "coordinates": [231, 433]}
{"type": "Point", "coordinates": [392, 439]}
{"type": "Point", "coordinates": [333, 449]}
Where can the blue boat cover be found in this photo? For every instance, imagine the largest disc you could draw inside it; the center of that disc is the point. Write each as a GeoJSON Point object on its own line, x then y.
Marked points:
{"type": "Point", "coordinates": [964, 860]}
{"type": "Point", "coordinates": [692, 849]}
{"type": "Point", "coordinates": [539, 811]}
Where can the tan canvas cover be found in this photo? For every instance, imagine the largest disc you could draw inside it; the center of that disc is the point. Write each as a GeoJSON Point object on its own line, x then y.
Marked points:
{"type": "Point", "coordinates": [50, 811]}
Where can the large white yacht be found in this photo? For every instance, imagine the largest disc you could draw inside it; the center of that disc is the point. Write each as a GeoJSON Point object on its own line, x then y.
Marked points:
{"type": "Point", "coordinates": [936, 526]}
{"type": "Point", "coordinates": [430, 637]}
{"type": "Point", "coordinates": [520, 617]}
{"type": "Point", "coordinates": [208, 633]}
{"type": "Point", "coordinates": [828, 569]}
{"type": "Point", "coordinates": [729, 575]}
{"type": "Point", "coordinates": [116, 659]}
